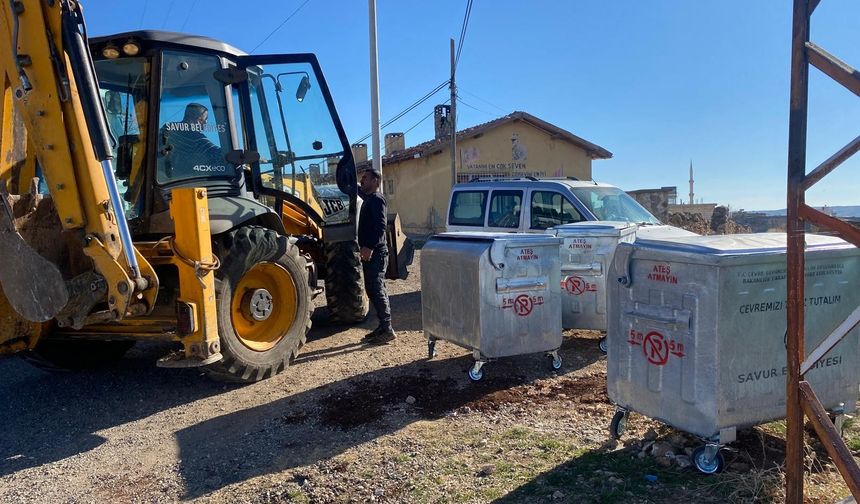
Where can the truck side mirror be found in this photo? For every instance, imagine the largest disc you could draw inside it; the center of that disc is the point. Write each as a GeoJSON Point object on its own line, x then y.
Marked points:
{"type": "Point", "coordinates": [303, 88]}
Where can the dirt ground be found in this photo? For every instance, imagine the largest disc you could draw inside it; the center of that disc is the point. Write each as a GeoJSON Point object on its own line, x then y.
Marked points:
{"type": "Point", "coordinates": [351, 423]}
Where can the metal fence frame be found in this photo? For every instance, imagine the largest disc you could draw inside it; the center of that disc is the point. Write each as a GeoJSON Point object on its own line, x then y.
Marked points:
{"type": "Point", "coordinates": [801, 398]}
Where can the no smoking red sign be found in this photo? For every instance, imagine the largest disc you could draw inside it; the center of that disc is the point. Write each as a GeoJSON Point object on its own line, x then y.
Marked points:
{"type": "Point", "coordinates": [656, 348]}
{"type": "Point", "coordinates": [523, 305]}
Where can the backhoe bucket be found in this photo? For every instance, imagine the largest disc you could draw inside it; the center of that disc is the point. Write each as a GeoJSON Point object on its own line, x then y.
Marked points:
{"type": "Point", "coordinates": [32, 284]}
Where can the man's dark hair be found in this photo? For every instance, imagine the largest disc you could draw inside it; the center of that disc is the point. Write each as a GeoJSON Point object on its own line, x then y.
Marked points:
{"type": "Point", "coordinates": [373, 173]}
{"type": "Point", "coordinates": [194, 111]}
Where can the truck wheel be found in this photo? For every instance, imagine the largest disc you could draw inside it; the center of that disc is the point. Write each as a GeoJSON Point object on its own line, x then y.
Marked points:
{"type": "Point", "coordinates": [264, 304]}
{"type": "Point", "coordinates": [344, 284]}
{"type": "Point", "coordinates": [76, 355]}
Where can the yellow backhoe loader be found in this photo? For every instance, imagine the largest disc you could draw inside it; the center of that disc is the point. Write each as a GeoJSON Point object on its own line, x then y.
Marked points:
{"type": "Point", "coordinates": [157, 185]}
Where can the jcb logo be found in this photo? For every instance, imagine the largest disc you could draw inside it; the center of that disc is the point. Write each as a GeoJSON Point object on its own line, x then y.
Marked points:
{"type": "Point", "coordinates": [332, 206]}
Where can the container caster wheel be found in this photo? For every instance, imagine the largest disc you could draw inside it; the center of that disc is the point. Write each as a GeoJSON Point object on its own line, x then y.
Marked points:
{"type": "Point", "coordinates": [556, 360]}
{"type": "Point", "coordinates": [837, 416]}
{"type": "Point", "coordinates": [618, 424]}
{"type": "Point", "coordinates": [477, 371]}
{"type": "Point", "coordinates": [602, 344]}
{"type": "Point", "coordinates": [431, 349]}
{"type": "Point", "coordinates": [708, 459]}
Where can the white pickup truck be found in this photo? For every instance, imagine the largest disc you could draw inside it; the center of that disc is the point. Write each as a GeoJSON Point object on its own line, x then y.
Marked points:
{"type": "Point", "coordinates": [530, 205]}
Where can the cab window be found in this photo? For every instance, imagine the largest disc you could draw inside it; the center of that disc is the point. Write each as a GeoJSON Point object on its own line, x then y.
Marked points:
{"type": "Point", "coordinates": [505, 209]}
{"type": "Point", "coordinates": [193, 132]}
{"type": "Point", "coordinates": [467, 208]}
{"type": "Point", "coordinates": [549, 208]}
{"type": "Point", "coordinates": [124, 89]}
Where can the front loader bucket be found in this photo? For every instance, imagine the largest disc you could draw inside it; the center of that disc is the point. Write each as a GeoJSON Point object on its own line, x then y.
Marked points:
{"type": "Point", "coordinates": [32, 284]}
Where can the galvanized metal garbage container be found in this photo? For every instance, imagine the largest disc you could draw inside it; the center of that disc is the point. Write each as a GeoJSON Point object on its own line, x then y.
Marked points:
{"type": "Point", "coordinates": [697, 331]}
{"type": "Point", "coordinates": [496, 294]}
{"type": "Point", "coordinates": [587, 250]}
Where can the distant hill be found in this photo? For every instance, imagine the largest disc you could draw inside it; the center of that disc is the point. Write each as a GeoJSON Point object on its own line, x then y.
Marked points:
{"type": "Point", "coordinates": [838, 211]}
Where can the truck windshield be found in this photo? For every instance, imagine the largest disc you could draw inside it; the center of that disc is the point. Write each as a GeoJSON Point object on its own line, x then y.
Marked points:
{"type": "Point", "coordinates": [611, 203]}
{"type": "Point", "coordinates": [124, 88]}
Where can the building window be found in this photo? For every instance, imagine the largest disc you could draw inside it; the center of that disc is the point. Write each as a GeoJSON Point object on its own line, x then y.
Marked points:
{"type": "Point", "coordinates": [388, 186]}
{"type": "Point", "coordinates": [477, 176]}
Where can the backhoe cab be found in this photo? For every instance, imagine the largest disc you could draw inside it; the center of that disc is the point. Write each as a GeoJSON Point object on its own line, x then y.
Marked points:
{"type": "Point", "coordinates": [259, 132]}
{"type": "Point", "coordinates": [238, 187]}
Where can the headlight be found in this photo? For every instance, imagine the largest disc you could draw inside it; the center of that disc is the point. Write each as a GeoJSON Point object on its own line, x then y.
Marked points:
{"type": "Point", "coordinates": [131, 48]}
{"type": "Point", "coordinates": [110, 52]}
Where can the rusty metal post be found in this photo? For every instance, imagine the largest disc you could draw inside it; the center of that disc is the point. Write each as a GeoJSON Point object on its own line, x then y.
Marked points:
{"type": "Point", "coordinates": [800, 397]}
{"type": "Point", "coordinates": [796, 245]}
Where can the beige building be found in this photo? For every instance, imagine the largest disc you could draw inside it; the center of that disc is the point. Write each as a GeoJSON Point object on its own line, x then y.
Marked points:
{"type": "Point", "coordinates": [417, 180]}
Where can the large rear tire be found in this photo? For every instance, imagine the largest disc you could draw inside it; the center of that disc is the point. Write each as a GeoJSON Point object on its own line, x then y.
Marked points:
{"type": "Point", "coordinates": [344, 283]}
{"type": "Point", "coordinates": [76, 355]}
{"type": "Point", "coordinates": [264, 304]}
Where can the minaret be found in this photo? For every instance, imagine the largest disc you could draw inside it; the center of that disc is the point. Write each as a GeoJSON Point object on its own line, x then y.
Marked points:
{"type": "Point", "coordinates": [691, 182]}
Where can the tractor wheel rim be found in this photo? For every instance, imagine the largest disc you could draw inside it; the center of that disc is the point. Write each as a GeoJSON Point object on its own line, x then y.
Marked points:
{"type": "Point", "coordinates": [264, 306]}
{"type": "Point", "coordinates": [258, 305]}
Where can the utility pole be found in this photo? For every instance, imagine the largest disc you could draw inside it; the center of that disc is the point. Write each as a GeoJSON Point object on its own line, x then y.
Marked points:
{"type": "Point", "coordinates": [452, 118]}
{"type": "Point", "coordinates": [374, 90]}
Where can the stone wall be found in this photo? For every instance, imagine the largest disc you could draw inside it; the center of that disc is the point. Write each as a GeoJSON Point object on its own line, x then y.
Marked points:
{"type": "Point", "coordinates": [656, 201]}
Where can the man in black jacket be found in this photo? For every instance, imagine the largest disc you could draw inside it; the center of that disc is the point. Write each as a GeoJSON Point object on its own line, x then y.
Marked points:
{"type": "Point", "coordinates": [374, 254]}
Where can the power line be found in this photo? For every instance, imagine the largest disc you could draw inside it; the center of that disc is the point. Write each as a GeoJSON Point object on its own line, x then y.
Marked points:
{"type": "Point", "coordinates": [460, 100]}
{"type": "Point", "coordinates": [281, 25]}
{"type": "Point", "coordinates": [423, 119]}
{"type": "Point", "coordinates": [473, 95]}
{"type": "Point", "coordinates": [408, 109]}
{"type": "Point", "coordinates": [167, 16]}
{"type": "Point", "coordinates": [188, 16]}
{"type": "Point", "coordinates": [463, 31]}
{"type": "Point", "coordinates": [143, 13]}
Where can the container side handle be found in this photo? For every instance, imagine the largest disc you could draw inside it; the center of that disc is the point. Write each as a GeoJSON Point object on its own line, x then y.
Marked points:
{"type": "Point", "coordinates": [592, 268]}
{"type": "Point", "coordinates": [521, 284]}
{"type": "Point", "coordinates": [621, 263]}
{"type": "Point", "coordinates": [496, 252]}
{"type": "Point", "coordinates": [679, 318]}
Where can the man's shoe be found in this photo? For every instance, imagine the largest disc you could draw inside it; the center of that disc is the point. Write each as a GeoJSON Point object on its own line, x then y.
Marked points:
{"type": "Point", "coordinates": [382, 338]}
{"type": "Point", "coordinates": [372, 334]}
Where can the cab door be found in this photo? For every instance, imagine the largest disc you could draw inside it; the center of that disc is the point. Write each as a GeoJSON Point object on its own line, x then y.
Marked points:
{"type": "Point", "coordinates": [548, 208]}
{"type": "Point", "coordinates": [505, 210]}
{"type": "Point", "coordinates": [300, 158]}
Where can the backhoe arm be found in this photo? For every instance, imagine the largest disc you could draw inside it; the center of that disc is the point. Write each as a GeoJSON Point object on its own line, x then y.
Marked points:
{"type": "Point", "coordinates": [52, 112]}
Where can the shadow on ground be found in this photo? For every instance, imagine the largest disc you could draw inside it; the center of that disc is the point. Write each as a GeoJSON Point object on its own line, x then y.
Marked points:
{"type": "Point", "coordinates": [51, 416]}
{"type": "Point", "coordinates": [323, 422]}
{"type": "Point", "coordinates": [48, 417]}
{"type": "Point", "coordinates": [405, 315]}
{"type": "Point", "coordinates": [753, 474]}
{"type": "Point", "coordinates": [584, 479]}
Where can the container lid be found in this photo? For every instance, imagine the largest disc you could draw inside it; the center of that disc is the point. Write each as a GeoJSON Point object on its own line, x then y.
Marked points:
{"type": "Point", "coordinates": [537, 238]}
{"type": "Point", "coordinates": [593, 228]}
{"type": "Point", "coordinates": [739, 244]}
{"type": "Point", "coordinates": [499, 243]}
{"type": "Point", "coordinates": [661, 232]}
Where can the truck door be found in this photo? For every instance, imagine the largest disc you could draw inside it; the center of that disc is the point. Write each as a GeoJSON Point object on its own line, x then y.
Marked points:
{"type": "Point", "coordinates": [295, 143]}
{"type": "Point", "coordinates": [549, 208]}
{"type": "Point", "coordinates": [505, 210]}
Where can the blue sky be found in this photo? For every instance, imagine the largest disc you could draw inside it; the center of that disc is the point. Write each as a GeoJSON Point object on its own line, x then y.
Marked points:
{"type": "Point", "coordinates": [657, 82]}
